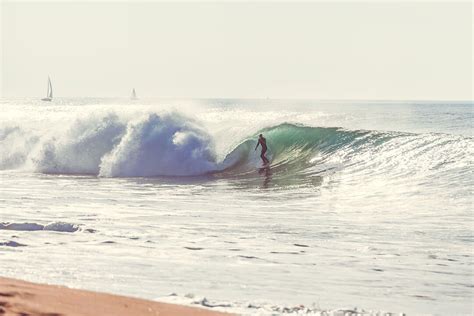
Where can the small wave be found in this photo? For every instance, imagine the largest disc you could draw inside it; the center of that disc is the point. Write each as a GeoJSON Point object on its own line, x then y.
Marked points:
{"type": "Point", "coordinates": [12, 243]}
{"type": "Point", "coordinates": [193, 248]}
{"type": "Point", "coordinates": [55, 226]}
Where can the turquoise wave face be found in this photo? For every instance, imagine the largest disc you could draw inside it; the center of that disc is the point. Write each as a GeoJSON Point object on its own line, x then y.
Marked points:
{"type": "Point", "coordinates": [301, 155]}
{"type": "Point", "coordinates": [290, 147]}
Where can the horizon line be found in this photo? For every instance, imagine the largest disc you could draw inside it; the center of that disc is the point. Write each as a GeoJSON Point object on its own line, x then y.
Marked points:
{"type": "Point", "coordinates": [246, 98]}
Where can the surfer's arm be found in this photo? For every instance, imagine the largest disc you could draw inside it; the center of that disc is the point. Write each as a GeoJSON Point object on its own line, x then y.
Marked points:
{"type": "Point", "coordinates": [258, 143]}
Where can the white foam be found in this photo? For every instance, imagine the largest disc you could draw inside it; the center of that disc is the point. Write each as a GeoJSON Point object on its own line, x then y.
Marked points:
{"type": "Point", "coordinates": [78, 150]}
{"type": "Point", "coordinates": [21, 226]}
{"type": "Point", "coordinates": [61, 227]}
{"type": "Point", "coordinates": [110, 144]}
{"type": "Point", "coordinates": [54, 226]}
{"type": "Point", "coordinates": [265, 308]}
{"type": "Point", "coordinates": [168, 145]}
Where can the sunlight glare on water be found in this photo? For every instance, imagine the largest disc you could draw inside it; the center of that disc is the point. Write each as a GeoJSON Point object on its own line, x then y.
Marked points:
{"type": "Point", "coordinates": [364, 204]}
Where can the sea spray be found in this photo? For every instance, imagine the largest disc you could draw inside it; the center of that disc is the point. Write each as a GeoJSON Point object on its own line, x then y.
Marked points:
{"type": "Point", "coordinates": [80, 149]}
{"type": "Point", "coordinates": [167, 145]}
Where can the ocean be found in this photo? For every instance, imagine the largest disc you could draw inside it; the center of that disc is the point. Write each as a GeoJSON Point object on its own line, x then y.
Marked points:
{"type": "Point", "coordinates": [365, 206]}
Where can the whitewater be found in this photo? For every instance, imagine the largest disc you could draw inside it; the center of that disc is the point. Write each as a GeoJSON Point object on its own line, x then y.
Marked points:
{"type": "Point", "coordinates": [365, 207]}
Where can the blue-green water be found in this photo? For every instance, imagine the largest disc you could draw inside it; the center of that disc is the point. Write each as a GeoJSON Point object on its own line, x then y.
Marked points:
{"type": "Point", "coordinates": [364, 204]}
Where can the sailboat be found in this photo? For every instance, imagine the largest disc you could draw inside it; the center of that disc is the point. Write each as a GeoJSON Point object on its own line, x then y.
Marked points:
{"type": "Point", "coordinates": [134, 95]}
{"type": "Point", "coordinates": [49, 93]}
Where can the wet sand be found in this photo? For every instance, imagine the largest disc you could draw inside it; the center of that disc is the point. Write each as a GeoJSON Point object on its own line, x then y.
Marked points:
{"type": "Point", "coordinates": [20, 298]}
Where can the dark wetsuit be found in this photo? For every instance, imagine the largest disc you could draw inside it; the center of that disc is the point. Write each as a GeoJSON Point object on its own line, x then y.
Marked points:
{"type": "Point", "coordinates": [263, 142]}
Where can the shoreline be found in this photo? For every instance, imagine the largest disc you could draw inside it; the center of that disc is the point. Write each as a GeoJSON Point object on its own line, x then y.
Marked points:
{"type": "Point", "coordinates": [19, 297]}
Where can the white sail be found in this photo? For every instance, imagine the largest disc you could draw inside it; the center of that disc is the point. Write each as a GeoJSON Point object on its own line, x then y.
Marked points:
{"type": "Point", "coordinates": [134, 94]}
{"type": "Point", "coordinates": [49, 91]}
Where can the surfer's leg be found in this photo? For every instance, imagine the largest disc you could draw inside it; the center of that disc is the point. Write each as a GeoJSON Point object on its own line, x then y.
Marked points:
{"type": "Point", "coordinates": [262, 155]}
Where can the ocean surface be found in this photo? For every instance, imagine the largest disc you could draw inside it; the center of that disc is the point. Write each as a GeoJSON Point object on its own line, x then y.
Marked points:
{"type": "Point", "coordinates": [366, 205]}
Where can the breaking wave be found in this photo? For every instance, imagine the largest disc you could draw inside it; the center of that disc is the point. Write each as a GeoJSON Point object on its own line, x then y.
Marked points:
{"type": "Point", "coordinates": [174, 145]}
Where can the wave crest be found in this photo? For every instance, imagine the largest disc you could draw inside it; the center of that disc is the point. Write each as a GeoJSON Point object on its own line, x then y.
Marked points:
{"type": "Point", "coordinates": [160, 146]}
{"type": "Point", "coordinates": [81, 148]}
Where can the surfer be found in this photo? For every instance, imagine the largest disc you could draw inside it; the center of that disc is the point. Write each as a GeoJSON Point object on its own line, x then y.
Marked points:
{"type": "Point", "coordinates": [263, 142]}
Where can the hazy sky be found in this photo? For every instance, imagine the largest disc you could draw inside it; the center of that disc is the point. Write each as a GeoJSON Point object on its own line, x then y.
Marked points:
{"type": "Point", "coordinates": [324, 50]}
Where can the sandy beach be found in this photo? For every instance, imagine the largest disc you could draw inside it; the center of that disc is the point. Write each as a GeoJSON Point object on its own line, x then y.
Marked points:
{"type": "Point", "coordinates": [32, 299]}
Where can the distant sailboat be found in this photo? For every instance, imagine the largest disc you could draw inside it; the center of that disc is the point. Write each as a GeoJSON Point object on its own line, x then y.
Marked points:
{"type": "Point", "coordinates": [134, 95]}
{"type": "Point", "coordinates": [49, 93]}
